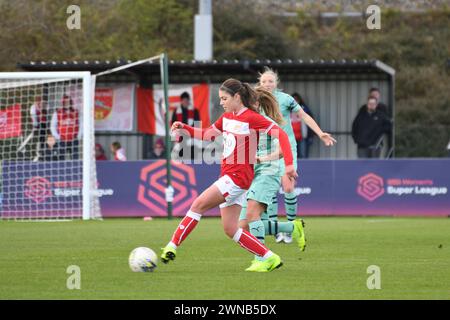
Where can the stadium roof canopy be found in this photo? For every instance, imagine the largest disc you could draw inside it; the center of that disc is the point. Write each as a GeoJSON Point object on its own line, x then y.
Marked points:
{"type": "Point", "coordinates": [336, 88]}
{"type": "Point", "coordinates": [221, 67]}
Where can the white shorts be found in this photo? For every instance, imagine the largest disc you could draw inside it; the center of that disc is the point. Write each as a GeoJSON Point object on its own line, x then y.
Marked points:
{"type": "Point", "coordinates": [232, 193]}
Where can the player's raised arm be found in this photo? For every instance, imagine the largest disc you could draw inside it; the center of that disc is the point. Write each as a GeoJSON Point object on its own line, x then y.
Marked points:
{"type": "Point", "coordinates": [207, 134]}
{"type": "Point", "coordinates": [326, 138]}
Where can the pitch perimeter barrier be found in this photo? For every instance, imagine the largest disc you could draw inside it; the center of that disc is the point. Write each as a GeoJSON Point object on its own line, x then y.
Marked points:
{"type": "Point", "coordinates": [325, 187]}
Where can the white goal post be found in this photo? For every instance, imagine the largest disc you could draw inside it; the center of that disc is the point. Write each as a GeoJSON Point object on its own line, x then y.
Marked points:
{"type": "Point", "coordinates": [47, 146]}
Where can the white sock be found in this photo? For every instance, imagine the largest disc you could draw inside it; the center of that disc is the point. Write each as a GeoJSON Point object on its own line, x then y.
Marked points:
{"type": "Point", "coordinates": [173, 245]}
{"type": "Point", "coordinates": [268, 255]}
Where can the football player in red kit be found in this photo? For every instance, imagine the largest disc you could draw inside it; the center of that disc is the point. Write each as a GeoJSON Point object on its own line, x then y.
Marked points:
{"type": "Point", "coordinates": [240, 126]}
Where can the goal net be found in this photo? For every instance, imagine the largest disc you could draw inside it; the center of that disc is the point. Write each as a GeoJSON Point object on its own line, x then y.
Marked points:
{"type": "Point", "coordinates": [47, 166]}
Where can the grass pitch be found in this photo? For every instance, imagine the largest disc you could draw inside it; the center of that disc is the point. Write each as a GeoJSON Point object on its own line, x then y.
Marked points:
{"type": "Point", "coordinates": [413, 255]}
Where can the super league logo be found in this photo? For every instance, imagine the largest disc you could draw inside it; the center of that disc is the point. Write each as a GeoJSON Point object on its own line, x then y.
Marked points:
{"type": "Point", "coordinates": [151, 192]}
{"type": "Point", "coordinates": [370, 187]}
{"type": "Point", "coordinates": [38, 189]}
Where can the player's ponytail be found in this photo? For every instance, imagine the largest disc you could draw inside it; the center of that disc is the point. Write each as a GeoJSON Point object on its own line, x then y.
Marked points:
{"type": "Point", "coordinates": [248, 96]}
{"type": "Point", "coordinates": [268, 103]}
{"type": "Point", "coordinates": [246, 92]}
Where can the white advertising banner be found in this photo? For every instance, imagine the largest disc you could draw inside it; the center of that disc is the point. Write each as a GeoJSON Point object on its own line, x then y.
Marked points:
{"type": "Point", "coordinates": [114, 108]}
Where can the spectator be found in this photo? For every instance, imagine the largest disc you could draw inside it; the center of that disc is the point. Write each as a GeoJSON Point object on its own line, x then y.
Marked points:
{"type": "Point", "coordinates": [118, 151]}
{"type": "Point", "coordinates": [51, 152]}
{"type": "Point", "coordinates": [158, 149]}
{"type": "Point", "coordinates": [375, 92]}
{"type": "Point", "coordinates": [306, 134]}
{"type": "Point", "coordinates": [39, 120]}
{"type": "Point", "coordinates": [188, 114]}
{"type": "Point", "coordinates": [66, 128]}
{"type": "Point", "coordinates": [297, 128]}
{"type": "Point", "coordinates": [100, 152]}
{"type": "Point", "coordinates": [368, 128]}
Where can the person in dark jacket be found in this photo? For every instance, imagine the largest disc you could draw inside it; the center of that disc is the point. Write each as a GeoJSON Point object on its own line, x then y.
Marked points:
{"type": "Point", "coordinates": [368, 128]}
{"type": "Point", "coordinates": [51, 151]}
{"type": "Point", "coordinates": [158, 150]}
{"type": "Point", "coordinates": [186, 113]}
{"type": "Point", "coordinates": [306, 133]}
{"type": "Point", "coordinates": [375, 92]}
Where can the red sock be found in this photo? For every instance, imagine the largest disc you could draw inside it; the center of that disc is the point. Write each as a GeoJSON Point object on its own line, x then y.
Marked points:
{"type": "Point", "coordinates": [185, 227]}
{"type": "Point", "coordinates": [250, 243]}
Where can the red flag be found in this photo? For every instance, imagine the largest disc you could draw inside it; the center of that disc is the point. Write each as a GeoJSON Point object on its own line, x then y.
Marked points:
{"type": "Point", "coordinates": [11, 122]}
{"type": "Point", "coordinates": [150, 106]}
{"type": "Point", "coordinates": [201, 102]}
{"type": "Point", "coordinates": [146, 111]}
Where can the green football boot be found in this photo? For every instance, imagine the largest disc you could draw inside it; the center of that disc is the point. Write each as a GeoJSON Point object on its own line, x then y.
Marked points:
{"type": "Point", "coordinates": [271, 263]}
{"type": "Point", "coordinates": [168, 253]}
{"type": "Point", "coordinates": [253, 265]}
{"type": "Point", "coordinates": [299, 234]}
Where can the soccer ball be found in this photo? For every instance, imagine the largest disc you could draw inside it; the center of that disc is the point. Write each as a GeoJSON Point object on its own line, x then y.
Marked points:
{"type": "Point", "coordinates": [142, 259]}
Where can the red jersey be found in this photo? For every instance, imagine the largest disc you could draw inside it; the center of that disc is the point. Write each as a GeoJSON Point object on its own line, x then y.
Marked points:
{"type": "Point", "coordinates": [240, 141]}
{"type": "Point", "coordinates": [68, 124]}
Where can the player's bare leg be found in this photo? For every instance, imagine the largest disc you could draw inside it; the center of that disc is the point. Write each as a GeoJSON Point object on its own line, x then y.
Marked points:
{"type": "Point", "coordinates": [210, 198]}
